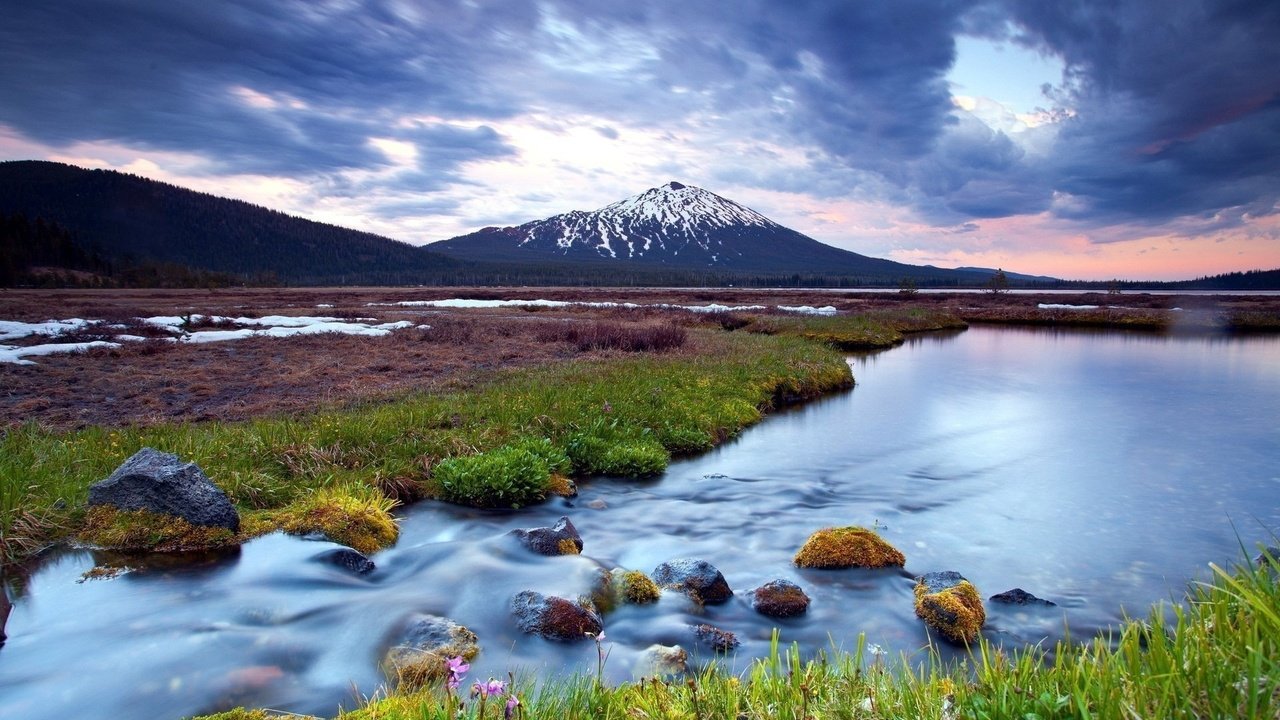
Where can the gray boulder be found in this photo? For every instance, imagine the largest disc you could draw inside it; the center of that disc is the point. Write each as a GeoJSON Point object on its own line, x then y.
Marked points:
{"type": "Point", "coordinates": [559, 539]}
{"type": "Point", "coordinates": [698, 579]}
{"type": "Point", "coordinates": [554, 618]}
{"type": "Point", "coordinates": [161, 483]}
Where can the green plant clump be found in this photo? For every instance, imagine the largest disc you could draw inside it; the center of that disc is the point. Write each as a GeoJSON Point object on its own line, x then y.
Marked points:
{"type": "Point", "coordinates": [509, 476]}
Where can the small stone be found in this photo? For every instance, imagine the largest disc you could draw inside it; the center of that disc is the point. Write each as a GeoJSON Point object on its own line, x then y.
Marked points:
{"type": "Point", "coordinates": [848, 547]}
{"type": "Point", "coordinates": [721, 641]}
{"type": "Point", "coordinates": [347, 559]}
{"type": "Point", "coordinates": [779, 599]}
{"type": "Point", "coordinates": [1018, 596]}
{"type": "Point", "coordinates": [560, 539]}
{"type": "Point", "coordinates": [1261, 559]}
{"type": "Point", "coordinates": [420, 653]}
{"type": "Point", "coordinates": [554, 618]}
{"type": "Point", "coordinates": [950, 604]}
{"type": "Point", "coordinates": [661, 661]}
{"type": "Point", "coordinates": [698, 579]}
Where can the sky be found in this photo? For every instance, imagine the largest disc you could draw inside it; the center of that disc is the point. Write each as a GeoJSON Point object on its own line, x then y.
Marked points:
{"type": "Point", "coordinates": [1088, 139]}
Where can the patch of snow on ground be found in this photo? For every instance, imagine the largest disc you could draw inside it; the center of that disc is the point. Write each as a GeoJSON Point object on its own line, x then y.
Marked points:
{"type": "Point", "coordinates": [460, 303]}
{"type": "Point", "coordinates": [15, 355]}
{"type": "Point", "coordinates": [275, 326]}
{"type": "Point", "coordinates": [808, 309]}
{"type": "Point", "coordinates": [1058, 306]}
{"type": "Point", "coordinates": [13, 330]}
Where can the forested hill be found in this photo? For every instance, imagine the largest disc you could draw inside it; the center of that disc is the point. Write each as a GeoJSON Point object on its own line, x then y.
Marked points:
{"type": "Point", "coordinates": [130, 220]}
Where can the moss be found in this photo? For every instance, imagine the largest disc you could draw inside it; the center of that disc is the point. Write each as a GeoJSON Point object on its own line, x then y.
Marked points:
{"type": "Point", "coordinates": [637, 588]}
{"type": "Point", "coordinates": [239, 714]}
{"type": "Point", "coordinates": [847, 547]}
{"type": "Point", "coordinates": [359, 518]}
{"type": "Point", "coordinates": [414, 669]}
{"type": "Point", "coordinates": [955, 612]}
{"type": "Point", "coordinates": [144, 531]}
{"type": "Point", "coordinates": [562, 485]}
{"type": "Point", "coordinates": [568, 547]}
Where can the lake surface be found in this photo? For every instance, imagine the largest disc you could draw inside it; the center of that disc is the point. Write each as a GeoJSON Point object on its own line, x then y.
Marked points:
{"type": "Point", "coordinates": [1100, 470]}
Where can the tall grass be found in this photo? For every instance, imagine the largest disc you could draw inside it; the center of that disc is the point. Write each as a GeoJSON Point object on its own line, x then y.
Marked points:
{"type": "Point", "coordinates": [623, 415]}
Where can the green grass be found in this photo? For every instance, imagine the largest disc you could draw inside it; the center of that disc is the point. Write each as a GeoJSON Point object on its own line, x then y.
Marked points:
{"type": "Point", "coordinates": [1216, 655]}
{"type": "Point", "coordinates": [623, 416]}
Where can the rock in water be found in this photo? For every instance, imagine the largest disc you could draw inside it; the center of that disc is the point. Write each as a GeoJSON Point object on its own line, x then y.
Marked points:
{"type": "Point", "coordinates": [847, 547]}
{"type": "Point", "coordinates": [779, 599]}
{"type": "Point", "coordinates": [1018, 596]}
{"type": "Point", "coordinates": [422, 651]}
{"type": "Point", "coordinates": [554, 618]}
{"type": "Point", "coordinates": [721, 641]}
{"type": "Point", "coordinates": [559, 539]}
{"type": "Point", "coordinates": [661, 661]}
{"type": "Point", "coordinates": [950, 605]}
{"type": "Point", "coordinates": [347, 559]}
{"type": "Point", "coordinates": [698, 579]}
{"type": "Point", "coordinates": [161, 483]}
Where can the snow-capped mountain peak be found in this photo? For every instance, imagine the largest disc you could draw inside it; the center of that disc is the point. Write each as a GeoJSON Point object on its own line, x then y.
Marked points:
{"type": "Point", "coordinates": [676, 204]}
{"type": "Point", "coordinates": [672, 225]}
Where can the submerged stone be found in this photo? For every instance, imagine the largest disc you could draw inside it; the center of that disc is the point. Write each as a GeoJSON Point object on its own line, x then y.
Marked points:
{"type": "Point", "coordinates": [1018, 596]}
{"type": "Point", "coordinates": [559, 539]}
{"type": "Point", "coordinates": [554, 618]}
{"type": "Point", "coordinates": [161, 483]}
{"type": "Point", "coordinates": [661, 661]}
{"type": "Point", "coordinates": [698, 579]}
{"type": "Point", "coordinates": [950, 604]}
{"type": "Point", "coordinates": [721, 641]}
{"type": "Point", "coordinates": [347, 559]}
{"type": "Point", "coordinates": [779, 599]}
{"type": "Point", "coordinates": [421, 652]}
{"type": "Point", "coordinates": [848, 547]}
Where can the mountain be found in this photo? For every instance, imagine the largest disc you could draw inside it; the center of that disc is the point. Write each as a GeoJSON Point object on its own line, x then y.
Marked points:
{"type": "Point", "coordinates": [131, 220]}
{"type": "Point", "coordinates": [680, 226]}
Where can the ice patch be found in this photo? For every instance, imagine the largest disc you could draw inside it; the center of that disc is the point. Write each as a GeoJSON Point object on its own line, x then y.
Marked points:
{"type": "Point", "coordinates": [1058, 306]}
{"type": "Point", "coordinates": [15, 355]}
{"type": "Point", "coordinates": [460, 303]}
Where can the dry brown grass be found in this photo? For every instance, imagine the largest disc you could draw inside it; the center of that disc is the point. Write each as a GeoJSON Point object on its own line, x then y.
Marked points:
{"type": "Point", "coordinates": [157, 381]}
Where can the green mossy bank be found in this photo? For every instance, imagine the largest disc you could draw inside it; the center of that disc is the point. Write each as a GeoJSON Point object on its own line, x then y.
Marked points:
{"type": "Point", "coordinates": [503, 441]}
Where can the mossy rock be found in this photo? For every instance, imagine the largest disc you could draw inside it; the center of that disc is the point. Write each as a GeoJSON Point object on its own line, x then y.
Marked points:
{"type": "Point", "coordinates": [421, 654]}
{"type": "Point", "coordinates": [848, 547]}
{"type": "Point", "coordinates": [950, 604]}
{"type": "Point", "coordinates": [779, 599]}
{"type": "Point", "coordinates": [145, 531]}
{"type": "Point", "coordinates": [634, 587]}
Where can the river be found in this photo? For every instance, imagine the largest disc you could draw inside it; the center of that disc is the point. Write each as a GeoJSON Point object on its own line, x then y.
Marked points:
{"type": "Point", "coordinates": [1100, 470]}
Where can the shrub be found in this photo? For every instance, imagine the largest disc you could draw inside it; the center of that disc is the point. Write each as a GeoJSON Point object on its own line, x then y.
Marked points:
{"type": "Point", "coordinates": [593, 455]}
{"type": "Point", "coordinates": [510, 476]}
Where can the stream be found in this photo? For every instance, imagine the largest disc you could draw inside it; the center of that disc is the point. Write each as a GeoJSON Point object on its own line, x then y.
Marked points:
{"type": "Point", "coordinates": [1100, 470]}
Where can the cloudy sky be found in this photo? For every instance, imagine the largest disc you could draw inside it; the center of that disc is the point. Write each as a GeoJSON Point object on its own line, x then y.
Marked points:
{"type": "Point", "coordinates": [1077, 138]}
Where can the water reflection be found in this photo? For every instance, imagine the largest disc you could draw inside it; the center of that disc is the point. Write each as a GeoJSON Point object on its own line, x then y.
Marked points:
{"type": "Point", "coordinates": [1099, 470]}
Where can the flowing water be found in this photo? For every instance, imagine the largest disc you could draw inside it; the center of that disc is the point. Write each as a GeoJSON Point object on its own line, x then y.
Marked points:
{"type": "Point", "coordinates": [1102, 471]}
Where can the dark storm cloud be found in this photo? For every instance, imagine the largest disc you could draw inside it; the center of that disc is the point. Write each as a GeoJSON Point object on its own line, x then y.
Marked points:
{"type": "Point", "coordinates": [1177, 105]}
{"type": "Point", "coordinates": [173, 76]}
